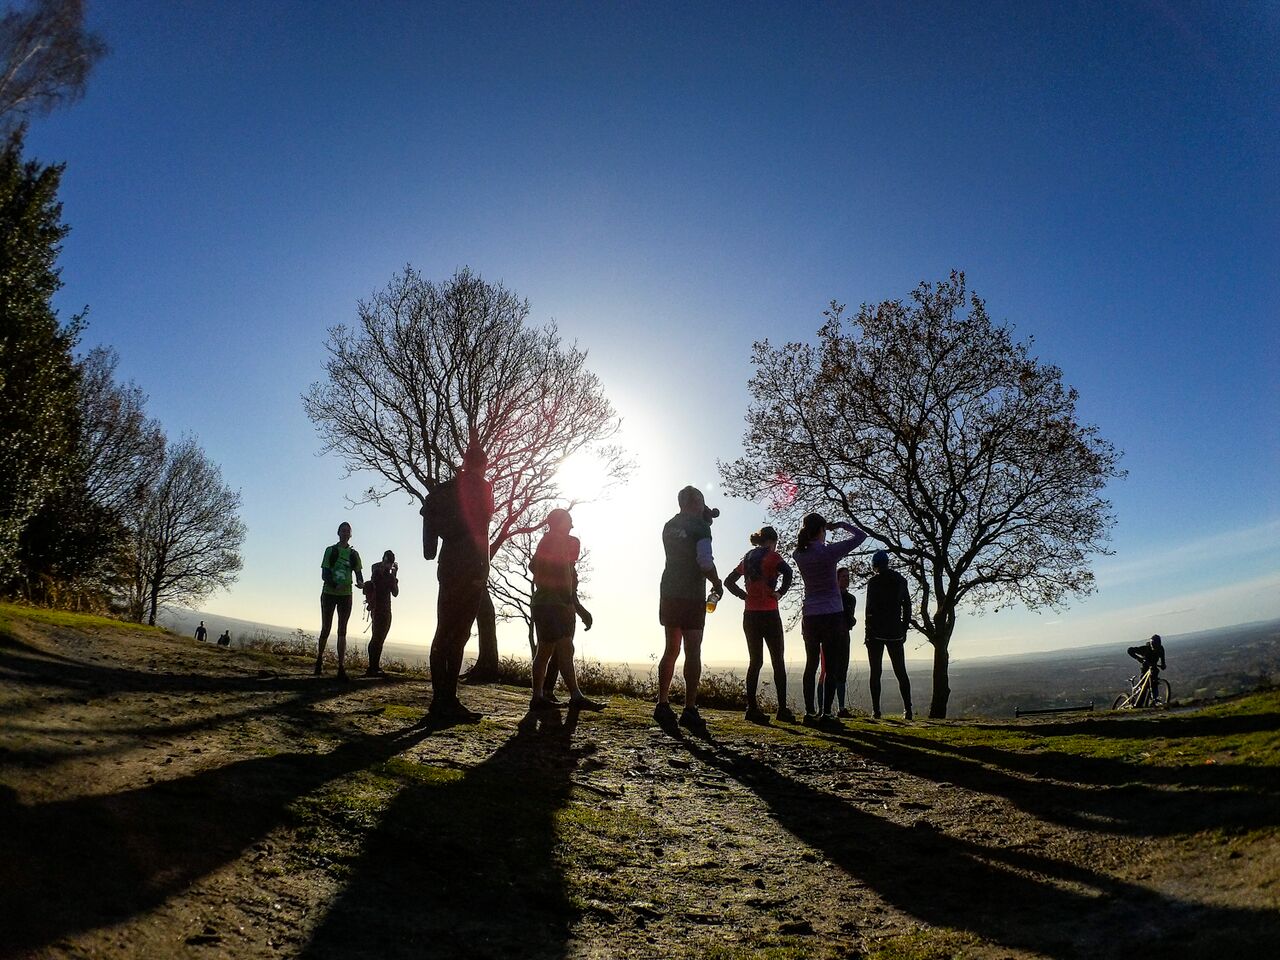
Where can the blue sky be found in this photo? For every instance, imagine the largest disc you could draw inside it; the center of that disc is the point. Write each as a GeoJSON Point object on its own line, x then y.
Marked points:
{"type": "Point", "coordinates": [669, 183]}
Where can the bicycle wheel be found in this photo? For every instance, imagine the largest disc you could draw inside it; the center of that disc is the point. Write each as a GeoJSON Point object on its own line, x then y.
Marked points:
{"type": "Point", "coordinates": [1164, 693]}
{"type": "Point", "coordinates": [1120, 701]}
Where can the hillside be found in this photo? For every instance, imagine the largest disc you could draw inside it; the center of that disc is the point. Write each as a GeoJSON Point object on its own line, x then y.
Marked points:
{"type": "Point", "coordinates": [162, 798]}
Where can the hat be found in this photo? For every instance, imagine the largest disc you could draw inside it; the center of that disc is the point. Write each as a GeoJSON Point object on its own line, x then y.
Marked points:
{"type": "Point", "coordinates": [880, 560]}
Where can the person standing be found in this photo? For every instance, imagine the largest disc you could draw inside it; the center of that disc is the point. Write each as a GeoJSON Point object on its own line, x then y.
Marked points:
{"type": "Point", "coordinates": [201, 632]}
{"type": "Point", "coordinates": [682, 605]}
{"type": "Point", "coordinates": [385, 580]}
{"type": "Point", "coordinates": [823, 614]}
{"type": "Point", "coordinates": [459, 512]}
{"type": "Point", "coordinates": [888, 614]}
{"type": "Point", "coordinates": [554, 605]}
{"type": "Point", "coordinates": [340, 563]}
{"type": "Point", "coordinates": [761, 621]}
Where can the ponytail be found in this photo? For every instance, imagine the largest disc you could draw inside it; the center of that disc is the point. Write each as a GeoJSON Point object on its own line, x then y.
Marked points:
{"type": "Point", "coordinates": [813, 524]}
{"type": "Point", "coordinates": [764, 535]}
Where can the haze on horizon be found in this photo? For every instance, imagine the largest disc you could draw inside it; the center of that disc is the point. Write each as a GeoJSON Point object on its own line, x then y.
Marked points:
{"type": "Point", "coordinates": [668, 188]}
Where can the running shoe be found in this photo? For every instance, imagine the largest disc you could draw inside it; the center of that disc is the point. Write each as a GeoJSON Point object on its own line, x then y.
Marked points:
{"type": "Point", "coordinates": [692, 720]}
{"type": "Point", "coordinates": [540, 703]}
{"type": "Point", "coordinates": [319, 668]}
{"type": "Point", "coordinates": [664, 716]}
{"type": "Point", "coordinates": [785, 715]}
{"type": "Point", "coordinates": [756, 715]}
{"type": "Point", "coordinates": [907, 714]}
{"type": "Point", "coordinates": [828, 722]}
{"type": "Point", "coordinates": [810, 720]}
{"type": "Point", "coordinates": [585, 703]}
{"type": "Point", "coordinates": [845, 714]}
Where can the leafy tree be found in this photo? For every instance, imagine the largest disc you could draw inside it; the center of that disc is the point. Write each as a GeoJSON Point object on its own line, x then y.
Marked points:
{"type": "Point", "coordinates": [39, 422]}
{"type": "Point", "coordinates": [185, 532]}
{"type": "Point", "coordinates": [947, 441]}
{"type": "Point", "coordinates": [46, 55]}
{"type": "Point", "coordinates": [430, 366]}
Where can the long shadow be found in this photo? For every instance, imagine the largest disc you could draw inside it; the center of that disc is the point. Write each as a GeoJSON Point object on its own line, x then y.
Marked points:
{"type": "Point", "coordinates": [1017, 899]}
{"type": "Point", "coordinates": [1082, 793]}
{"type": "Point", "coordinates": [1153, 725]}
{"type": "Point", "coordinates": [464, 867]}
{"type": "Point", "coordinates": [75, 865]}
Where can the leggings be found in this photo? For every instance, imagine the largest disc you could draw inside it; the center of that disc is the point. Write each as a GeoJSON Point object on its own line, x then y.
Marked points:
{"type": "Point", "coordinates": [824, 633]}
{"type": "Point", "coordinates": [827, 675]}
{"type": "Point", "coordinates": [328, 604]}
{"type": "Point", "coordinates": [897, 657]}
{"type": "Point", "coordinates": [764, 627]}
{"type": "Point", "coordinates": [457, 604]}
{"type": "Point", "coordinates": [381, 627]}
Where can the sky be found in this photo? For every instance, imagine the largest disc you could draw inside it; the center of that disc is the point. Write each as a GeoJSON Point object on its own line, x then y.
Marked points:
{"type": "Point", "coordinates": [669, 183]}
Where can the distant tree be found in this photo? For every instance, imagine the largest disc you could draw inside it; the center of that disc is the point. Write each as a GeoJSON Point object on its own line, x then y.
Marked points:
{"type": "Point", "coordinates": [122, 447]}
{"type": "Point", "coordinates": [430, 366]}
{"type": "Point", "coordinates": [185, 533]}
{"type": "Point", "coordinates": [46, 55]}
{"type": "Point", "coordinates": [947, 441]}
{"type": "Point", "coordinates": [39, 383]}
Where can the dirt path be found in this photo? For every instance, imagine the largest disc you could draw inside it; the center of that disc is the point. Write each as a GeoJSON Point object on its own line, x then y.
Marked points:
{"type": "Point", "coordinates": [162, 799]}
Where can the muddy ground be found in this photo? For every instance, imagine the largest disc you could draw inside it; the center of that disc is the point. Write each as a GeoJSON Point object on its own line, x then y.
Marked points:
{"type": "Point", "coordinates": [160, 798]}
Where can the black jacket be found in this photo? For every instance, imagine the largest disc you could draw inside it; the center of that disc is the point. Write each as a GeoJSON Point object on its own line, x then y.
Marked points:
{"type": "Point", "coordinates": [888, 609]}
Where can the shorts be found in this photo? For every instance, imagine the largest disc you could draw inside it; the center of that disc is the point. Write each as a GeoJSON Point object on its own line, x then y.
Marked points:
{"type": "Point", "coordinates": [682, 613]}
{"type": "Point", "coordinates": [553, 622]}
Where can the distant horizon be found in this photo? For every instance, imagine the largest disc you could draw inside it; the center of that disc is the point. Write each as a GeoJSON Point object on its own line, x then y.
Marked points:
{"type": "Point", "coordinates": [795, 649]}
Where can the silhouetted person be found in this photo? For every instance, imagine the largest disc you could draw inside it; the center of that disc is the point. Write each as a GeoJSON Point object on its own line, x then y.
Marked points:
{"type": "Point", "coordinates": [850, 603]}
{"type": "Point", "coordinates": [887, 616]}
{"type": "Point", "coordinates": [225, 639]}
{"type": "Point", "coordinates": [340, 563]}
{"type": "Point", "coordinates": [682, 604]}
{"type": "Point", "coordinates": [1151, 656]}
{"type": "Point", "coordinates": [822, 623]}
{"type": "Point", "coordinates": [458, 512]}
{"type": "Point", "coordinates": [384, 583]}
{"type": "Point", "coordinates": [761, 621]}
{"type": "Point", "coordinates": [555, 609]}
{"type": "Point", "coordinates": [201, 632]}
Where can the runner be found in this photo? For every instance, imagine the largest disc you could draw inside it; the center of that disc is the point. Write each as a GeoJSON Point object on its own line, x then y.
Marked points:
{"type": "Point", "coordinates": [823, 621]}
{"type": "Point", "coordinates": [761, 621]}
{"type": "Point", "coordinates": [340, 562]}
{"type": "Point", "coordinates": [682, 608]}
{"type": "Point", "coordinates": [555, 601]}
{"type": "Point", "coordinates": [458, 512]}
{"type": "Point", "coordinates": [201, 632]}
{"type": "Point", "coordinates": [888, 614]}
{"type": "Point", "coordinates": [384, 583]}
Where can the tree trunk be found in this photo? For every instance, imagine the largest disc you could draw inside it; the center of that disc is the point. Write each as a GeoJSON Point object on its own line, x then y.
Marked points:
{"type": "Point", "coordinates": [153, 601]}
{"type": "Point", "coordinates": [485, 669]}
{"type": "Point", "coordinates": [941, 688]}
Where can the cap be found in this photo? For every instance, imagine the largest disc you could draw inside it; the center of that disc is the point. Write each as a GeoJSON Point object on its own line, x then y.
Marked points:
{"type": "Point", "coordinates": [880, 559]}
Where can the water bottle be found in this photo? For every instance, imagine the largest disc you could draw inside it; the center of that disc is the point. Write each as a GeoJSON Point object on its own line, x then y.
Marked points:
{"type": "Point", "coordinates": [712, 599]}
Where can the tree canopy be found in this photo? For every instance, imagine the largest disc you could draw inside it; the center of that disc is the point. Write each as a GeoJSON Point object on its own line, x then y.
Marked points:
{"type": "Point", "coordinates": [944, 438]}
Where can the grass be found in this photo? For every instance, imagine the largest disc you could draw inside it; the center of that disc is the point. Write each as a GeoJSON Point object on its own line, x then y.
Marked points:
{"type": "Point", "coordinates": [67, 619]}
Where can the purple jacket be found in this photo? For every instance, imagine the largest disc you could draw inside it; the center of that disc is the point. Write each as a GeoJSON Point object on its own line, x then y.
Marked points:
{"type": "Point", "coordinates": [817, 564]}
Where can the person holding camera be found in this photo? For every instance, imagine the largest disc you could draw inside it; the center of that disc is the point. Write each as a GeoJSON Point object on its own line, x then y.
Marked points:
{"type": "Point", "coordinates": [384, 583]}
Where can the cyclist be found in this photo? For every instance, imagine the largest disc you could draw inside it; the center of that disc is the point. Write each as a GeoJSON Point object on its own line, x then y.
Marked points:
{"type": "Point", "coordinates": [1151, 656]}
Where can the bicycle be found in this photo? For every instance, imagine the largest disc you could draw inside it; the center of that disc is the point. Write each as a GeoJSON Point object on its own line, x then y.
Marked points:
{"type": "Point", "coordinates": [1142, 694]}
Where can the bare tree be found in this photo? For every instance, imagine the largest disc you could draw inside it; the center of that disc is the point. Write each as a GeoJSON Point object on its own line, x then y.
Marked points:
{"type": "Point", "coordinates": [947, 441]}
{"type": "Point", "coordinates": [186, 533]}
{"type": "Point", "coordinates": [123, 448]}
{"type": "Point", "coordinates": [46, 55]}
{"type": "Point", "coordinates": [429, 366]}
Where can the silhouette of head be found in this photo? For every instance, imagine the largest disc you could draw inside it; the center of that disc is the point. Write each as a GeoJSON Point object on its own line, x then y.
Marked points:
{"type": "Point", "coordinates": [764, 535]}
{"type": "Point", "coordinates": [880, 560]}
{"type": "Point", "coordinates": [559, 520]}
{"type": "Point", "coordinates": [344, 531]}
{"type": "Point", "coordinates": [842, 577]}
{"type": "Point", "coordinates": [1156, 641]}
{"type": "Point", "coordinates": [691, 500]}
{"type": "Point", "coordinates": [389, 557]}
{"type": "Point", "coordinates": [812, 528]}
{"type": "Point", "coordinates": [475, 458]}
